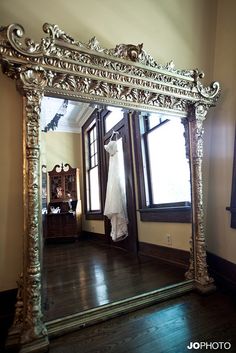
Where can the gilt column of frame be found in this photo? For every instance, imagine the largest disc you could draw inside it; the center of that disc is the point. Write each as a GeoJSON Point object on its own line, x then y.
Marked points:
{"type": "Point", "coordinates": [198, 263]}
{"type": "Point", "coordinates": [31, 83]}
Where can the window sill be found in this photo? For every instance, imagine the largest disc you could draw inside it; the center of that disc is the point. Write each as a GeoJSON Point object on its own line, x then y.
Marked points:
{"type": "Point", "coordinates": [166, 214]}
{"type": "Point", "coordinates": [94, 216]}
{"type": "Point", "coordinates": [232, 210]}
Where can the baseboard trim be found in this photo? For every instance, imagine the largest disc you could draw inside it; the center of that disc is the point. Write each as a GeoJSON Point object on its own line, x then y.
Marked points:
{"type": "Point", "coordinates": [7, 298]}
{"type": "Point", "coordinates": [7, 310]}
{"type": "Point", "coordinates": [97, 237]}
{"type": "Point", "coordinates": [223, 271]}
{"type": "Point", "coordinates": [170, 255]}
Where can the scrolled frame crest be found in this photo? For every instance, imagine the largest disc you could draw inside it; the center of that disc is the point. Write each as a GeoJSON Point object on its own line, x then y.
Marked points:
{"type": "Point", "coordinates": [125, 76]}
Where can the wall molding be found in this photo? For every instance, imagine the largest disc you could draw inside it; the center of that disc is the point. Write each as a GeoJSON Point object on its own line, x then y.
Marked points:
{"type": "Point", "coordinates": [164, 253]}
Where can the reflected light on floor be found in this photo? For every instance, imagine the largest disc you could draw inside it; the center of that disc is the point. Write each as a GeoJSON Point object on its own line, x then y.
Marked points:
{"type": "Point", "coordinates": [101, 286]}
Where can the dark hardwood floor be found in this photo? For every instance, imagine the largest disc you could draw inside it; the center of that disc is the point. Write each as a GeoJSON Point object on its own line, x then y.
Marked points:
{"type": "Point", "coordinates": [167, 327]}
{"type": "Point", "coordinates": [83, 275]}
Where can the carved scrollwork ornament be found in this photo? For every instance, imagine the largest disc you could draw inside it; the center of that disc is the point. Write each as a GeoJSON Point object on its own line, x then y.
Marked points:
{"type": "Point", "coordinates": [210, 92]}
{"type": "Point", "coordinates": [19, 306]}
{"type": "Point", "coordinates": [32, 77]}
{"type": "Point", "coordinates": [190, 274]}
{"type": "Point", "coordinates": [196, 118]}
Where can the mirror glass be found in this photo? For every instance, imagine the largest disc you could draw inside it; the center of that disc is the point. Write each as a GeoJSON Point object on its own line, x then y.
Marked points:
{"type": "Point", "coordinates": [169, 169]}
{"type": "Point", "coordinates": [89, 259]}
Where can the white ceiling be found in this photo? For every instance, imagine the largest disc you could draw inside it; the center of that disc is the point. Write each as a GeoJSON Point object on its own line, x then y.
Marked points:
{"type": "Point", "coordinates": [75, 116]}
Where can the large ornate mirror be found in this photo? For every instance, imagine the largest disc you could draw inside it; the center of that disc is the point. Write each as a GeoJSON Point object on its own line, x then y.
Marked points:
{"type": "Point", "coordinates": [80, 101]}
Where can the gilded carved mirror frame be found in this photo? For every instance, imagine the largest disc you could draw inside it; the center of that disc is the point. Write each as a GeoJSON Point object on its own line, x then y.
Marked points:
{"type": "Point", "coordinates": [125, 76]}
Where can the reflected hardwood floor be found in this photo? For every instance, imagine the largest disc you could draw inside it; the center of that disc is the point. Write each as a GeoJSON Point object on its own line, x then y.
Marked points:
{"type": "Point", "coordinates": [83, 275]}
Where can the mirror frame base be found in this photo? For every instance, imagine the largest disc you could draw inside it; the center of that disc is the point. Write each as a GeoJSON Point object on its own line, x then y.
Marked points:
{"type": "Point", "coordinates": [205, 289]}
{"type": "Point", "coordinates": [71, 323]}
{"type": "Point", "coordinates": [13, 340]}
{"type": "Point", "coordinates": [39, 345]}
{"type": "Point", "coordinates": [90, 317]}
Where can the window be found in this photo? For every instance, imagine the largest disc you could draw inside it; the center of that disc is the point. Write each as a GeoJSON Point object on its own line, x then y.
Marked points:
{"type": "Point", "coordinates": [93, 198]}
{"type": "Point", "coordinates": [92, 171]}
{"type": "Point", "coordinates": [94, 133]}
{"type": "Point", "coordinates": [163, 168]}
{"type": "Point", "coordinates": [113, 117]}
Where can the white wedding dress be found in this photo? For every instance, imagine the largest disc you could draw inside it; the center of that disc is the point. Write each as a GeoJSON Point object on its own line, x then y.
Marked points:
{"type": "Point", "coordinates": [115, 204]}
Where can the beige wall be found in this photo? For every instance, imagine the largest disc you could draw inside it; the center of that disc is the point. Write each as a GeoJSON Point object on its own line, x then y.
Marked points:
{"type": "Point", "coordinates": [11, 184]}
{"type": "Point", "coordinates": [60, 147]}
{"type": "Point", "coordinates": [221, 238]}
{"type": "Point", "coordinates": [182, 30]}
{"type": "Point", "coordinates": [93, 226]}
{"type": "Point", "coordinates": [157, 232]}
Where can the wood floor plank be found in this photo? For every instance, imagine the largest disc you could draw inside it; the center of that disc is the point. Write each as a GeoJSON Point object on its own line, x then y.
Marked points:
{"type": "Point", "coordinates": [168, 327]}
{"type": "Point", "coordinates": [83, 275]}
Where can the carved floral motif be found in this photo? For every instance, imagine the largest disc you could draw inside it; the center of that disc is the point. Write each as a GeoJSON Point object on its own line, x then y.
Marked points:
{"type": "Point", "coordinates": [19, 315]}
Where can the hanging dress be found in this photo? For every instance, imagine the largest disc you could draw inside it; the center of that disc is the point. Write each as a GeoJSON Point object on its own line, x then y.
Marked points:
{"type": "Point", "coordinates": [115, 204]}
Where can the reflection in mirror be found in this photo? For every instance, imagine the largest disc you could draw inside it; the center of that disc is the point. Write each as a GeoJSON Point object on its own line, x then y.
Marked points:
{"type": "Point", "coordinates": [83, 266]}
{"type": "Point", "coordinates": [167, 174]}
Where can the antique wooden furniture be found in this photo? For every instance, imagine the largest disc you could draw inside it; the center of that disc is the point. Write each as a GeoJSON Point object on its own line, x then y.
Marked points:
{"type": "Point", "coordinates": [125, 76]}
{"type": "Point", "coordinates": [62, 220]}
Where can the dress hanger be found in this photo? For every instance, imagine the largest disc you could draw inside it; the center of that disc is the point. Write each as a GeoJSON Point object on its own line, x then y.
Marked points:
{"type": "Point", "coordinates": [116, 133]}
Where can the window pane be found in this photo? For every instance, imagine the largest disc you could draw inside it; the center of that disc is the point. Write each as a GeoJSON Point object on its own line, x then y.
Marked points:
{"type": "Point", "coordinates": [92, 134]}
{"type": "Point", "coordinates": [95, 146]}
{"type": "Point", "coordinates": [113, 118]}
{"type": "Point", "coordinates": [96, 159]}
{"type": "Point", "coordinates": [121, 170]}
{"type": "Point", "coordinates": [95, 133]}
{"type": "Point", "coordinates": [155, 119]}
{"type": "Point", "coordinates": [92, 161]}
{"type": "Point", "coordinates": [94, 189]}
{"type": "Point", "coordinates": [92, 148]}
{"type": "Point", "coordinates": [169, 167]}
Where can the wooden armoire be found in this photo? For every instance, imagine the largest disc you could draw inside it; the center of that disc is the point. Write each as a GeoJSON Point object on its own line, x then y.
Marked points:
{"type": "Point", "coordinates": [63, 218]}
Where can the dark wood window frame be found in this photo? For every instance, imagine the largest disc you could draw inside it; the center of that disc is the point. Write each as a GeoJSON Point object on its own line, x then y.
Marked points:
{"type": "Point", "coordinates": [98, 116]}
{"type": "Point", "coordinates": [172, 212]}
{"type": "Point", "coordinates": [92, 160]}
{"type": "Point", "coordinates": [232, 207]}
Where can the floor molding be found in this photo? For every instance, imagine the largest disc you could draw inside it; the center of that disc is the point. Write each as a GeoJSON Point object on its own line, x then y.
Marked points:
{"type": "Point", "coordinates": [100, 238]}
{"type": "Point", "coordinates": [170, 255]}
{"type": "Point", "coordinates": [223, 271]}
{"type": "Point", "coordinates": [7, 308]}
